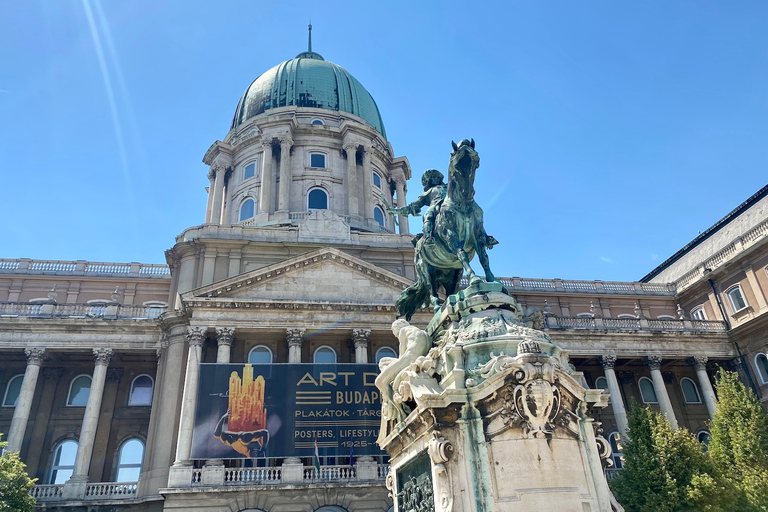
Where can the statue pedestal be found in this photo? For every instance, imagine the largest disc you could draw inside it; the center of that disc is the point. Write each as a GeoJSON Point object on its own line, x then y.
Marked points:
{"type": "Point", "coordinates": [497, 420]}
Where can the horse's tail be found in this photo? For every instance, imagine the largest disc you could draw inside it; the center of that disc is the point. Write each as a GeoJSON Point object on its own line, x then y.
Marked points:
{"type": "Point", "coordinates": [412, 298]}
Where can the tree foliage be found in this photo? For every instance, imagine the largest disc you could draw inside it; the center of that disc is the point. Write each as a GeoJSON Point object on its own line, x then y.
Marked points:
{"type": "Point", "coordinates": [14, 483]}
{"type": "Point", "coordinates": [739, 445]}
{"type": "Point", "coordinates": [665, 470]}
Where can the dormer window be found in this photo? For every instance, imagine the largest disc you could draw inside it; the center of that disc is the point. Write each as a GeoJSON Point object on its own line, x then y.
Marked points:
{"type": "Point", "coordinates": [317, 160]}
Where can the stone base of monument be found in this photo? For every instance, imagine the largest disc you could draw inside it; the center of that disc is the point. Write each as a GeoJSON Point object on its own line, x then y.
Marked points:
{"type": "Point", "coordinates": [493, 418]}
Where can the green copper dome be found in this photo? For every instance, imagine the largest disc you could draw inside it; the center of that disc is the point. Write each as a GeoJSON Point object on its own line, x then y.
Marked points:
{"type": "Point", "coordinates": [308, 81]}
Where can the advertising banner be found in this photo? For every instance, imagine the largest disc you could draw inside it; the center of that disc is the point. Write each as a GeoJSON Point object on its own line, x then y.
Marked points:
{"type": "Point", "coordinates": [285, 410]}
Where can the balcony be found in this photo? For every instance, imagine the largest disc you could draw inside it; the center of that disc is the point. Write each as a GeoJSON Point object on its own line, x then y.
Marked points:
{"type": "Point", "coordinates": [632, 324]}
{"type": "Point", "coordinates": [104, 311]}
{"type": "Point", "coordinates": [103, 491]}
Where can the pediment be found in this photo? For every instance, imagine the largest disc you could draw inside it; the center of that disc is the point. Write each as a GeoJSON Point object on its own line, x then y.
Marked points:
{"type": "Point", "coordinates": [323, 275]}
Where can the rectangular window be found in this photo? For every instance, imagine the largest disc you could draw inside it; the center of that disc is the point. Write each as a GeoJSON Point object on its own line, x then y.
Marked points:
{"type": "Point", "coordinates": [317, 160]}
{"type": "Point", "coordinates": [736, 299]}
{"type": "Point", "coordinates": [250, 171]}
{"type": "Point", "coordinates": [376, 180]}
{"type": "Point", "coordinates": [698, 314]}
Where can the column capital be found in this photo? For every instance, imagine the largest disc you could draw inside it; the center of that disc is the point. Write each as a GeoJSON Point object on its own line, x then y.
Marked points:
{"type": "Point", "coordinates": [699, 362]}
{"type": "Point", "coordinates": [35, 355]}
{"type": "Point", "coordinates": [52, 375]}
{"type": "Point", "coordinates": [295, 337]}
{"type": "Point", "coordinates": [350, 146]}
{"type": "Point", "coordinates": [285, 140]}
{"type": "Point", "coordinates": [652, 362]}
{"type": "Point", "coordinates": [225, 335]}
{"type": "Point", "coordinates": [608, 361]}
{"type": "Point", "coordinates": [195, 336]}
{"type": "Point", "coordinates": [102, 355]}
{"type": "Point", "coordinates": [212, 173]}
{"type": "Point", "coordinates": [360, 337]}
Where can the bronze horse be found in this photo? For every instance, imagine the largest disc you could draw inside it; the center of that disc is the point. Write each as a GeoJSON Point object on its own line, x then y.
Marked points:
{"type": "Point", "coordinates": [458, 235]}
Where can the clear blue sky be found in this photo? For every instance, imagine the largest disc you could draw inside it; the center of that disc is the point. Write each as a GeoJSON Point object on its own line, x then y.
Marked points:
{"type": "Point", "coordinates": [610, 133]}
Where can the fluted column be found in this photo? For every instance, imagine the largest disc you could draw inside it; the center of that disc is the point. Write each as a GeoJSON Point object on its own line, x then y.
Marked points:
{"type": "Point", "coordinates": [224, 338]}
{"type": "Point", "coordinates": [295, 338]}
{"type": "Point", "coordinates": [91, 416]}
{"type": "Point", "coordinates": [218, 193]}
{"type": "Point", "coordinates": [402, 220]}
{"type": "Point", "coordinates": [654, 365]}
{"type": "Point", "coordinates": [284, 202]}
{"type": "Point", "coordinates": [26, 394]}
{"type": "Point", "coordinates": [699, 364]}
{"type": "Point", "coordinates": [367, 184]}
{"type": "Point", "coordinates": [353, 200]}
{"type": "Point", "coordinates": [265, 197]}
{"type": "Point", "coordinates": [195, 337]}
{"type": "Point", "coordinates": [360, 337]}
{"type": "Point", "coordinates": [211, 188]}
{"type": "Point", "coordinates": [617, 403]}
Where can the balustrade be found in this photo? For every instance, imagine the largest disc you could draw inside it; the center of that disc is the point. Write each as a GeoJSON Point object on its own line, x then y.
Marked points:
{"type": "Point", "coordinates": [78, 310]}
{"type": "Point", "coordinates": [46, 492]}
{"type": "Point", "coordinates": [111, 491]}
{"type": "Point", "coordinates": [330, 473]}
{"type": "Point", "coordinates": [252, 476]}
{"type": "Point", "coordinates": [26, 266]}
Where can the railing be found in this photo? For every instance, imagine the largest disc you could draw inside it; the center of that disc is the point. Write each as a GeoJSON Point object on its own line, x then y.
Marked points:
{"type": "Point", "coordinates": [23, 309]}
{"type": "Point", "coordinates": [197, 477]}
{"type": "Point", "coordinates": [46, 492]}
{"type": "Point", "coordinates": [329, 473]}
{"type": "Point", "coordinates": [252, 476]}
{"type": "Point", "coordinates": [382, 470]}
{"type": "Point", "coordinates": [110, 491]}
{"type": "Point", "coordinates": [723, 255]}
{"type": "Point", "coordinates": [642, 324]}
{"type": "Point", "coordinates": [519, 284]}
{"type": "Point", "coordinates": [83, 268]}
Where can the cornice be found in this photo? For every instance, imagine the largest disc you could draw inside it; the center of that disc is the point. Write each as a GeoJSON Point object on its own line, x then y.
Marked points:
{"type": "Point", "coordinates": [216, 149]}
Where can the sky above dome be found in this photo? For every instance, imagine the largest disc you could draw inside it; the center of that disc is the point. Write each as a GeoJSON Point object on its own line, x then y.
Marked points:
{"type": "Point", "coordinates": [610, 133]}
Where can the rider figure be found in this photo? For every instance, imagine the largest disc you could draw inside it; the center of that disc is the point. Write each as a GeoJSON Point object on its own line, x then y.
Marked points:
{"type": "Point", "coordinates": [434, 194]}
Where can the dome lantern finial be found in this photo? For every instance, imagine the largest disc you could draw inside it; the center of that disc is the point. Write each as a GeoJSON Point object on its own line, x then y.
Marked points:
{"type": "Point", "coordinates": [309, 40]}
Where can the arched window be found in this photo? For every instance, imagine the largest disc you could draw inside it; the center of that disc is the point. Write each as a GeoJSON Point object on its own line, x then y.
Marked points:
{"type": "Point", "coordinates": [697, 313]}
{"type": "Point", "coordinates": [260, 355]}
{"type": "Point", "coordinates": [666, 317]}
{"type": "Point", "coordinates": [703, 437]}
{"type": "Point", "coordinates": [247, 209]}
{"type": "Point", "coordinates": [585, 315]}
{"type": "Point", "coordinates": [627, 315]}
{"type": "Point", "coordinates": [129, 460]}
{"type": "Point", "coordinates": [647, 392]}
{"type": "Point", "coordinates": [761, 363]}
{"type": "Point", "coordinates": [616, 449]}
{"type": "Point", "coordinates": [385, 352]}
{"type": "Point", "coordinates": [736, 298]}
{"type": "Point", "coordinates": [331, 508]}
{"type": "Point", "coordinates": [63, 463]}
{"type": "Point", "coordinates": [141, 391]}
{"type": "Point", "coordinates": [317, 199]}
{"type": "Point", "coordinates": [376, 179]}
{"type": "Point", "coordinates": [325, 355]}
{"type": "Point", "coordinates": [249, 171]}
{"type": "Point", "coordinates": [317, 122]}
{"type": "Point", "coordinates": [690, 391]}
{"type": "Point", "coordinates": [12, 391]}
{"type": "Point", "coordinates": [378, 215]}
{"type": "Point", "coordinates": [317, 160]}
{"type": "Point", "coordinates": [79, 389]}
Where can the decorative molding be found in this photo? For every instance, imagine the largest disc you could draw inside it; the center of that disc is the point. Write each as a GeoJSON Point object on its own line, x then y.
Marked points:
{"type": "Point", "coordinates": [295, 337]}
{"type": "Point", "coordinates": [35, 355]}
{"type": "Point", "coordinates": [195, 336]}
{"type": "Point", "coordinates": [102, 355]}
{"type": "Point", "coordinates": [360, 337]}
{"type": "Point", "coordinates": [608, 361]}
{"type": "Point", "coordinates": [699, 362]}
{"type": "Point", "coordinates": [652, 362]}
{"type": "Point", "coordinates": [225, 335]}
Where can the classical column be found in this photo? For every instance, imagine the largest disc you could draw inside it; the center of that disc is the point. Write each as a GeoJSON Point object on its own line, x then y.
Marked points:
{"type": "Point", "coordinates": [699, 364]}
{"type": "Point", "coordinates": [195, 337]}
{"type": "Point", "coordinates": [218, 193]}
{"type": "Point", "coordinates": [617, 402]}
{"type": "Point", "coordinates": [367, 184]}
{"type": "Point", "coordinates": [91, 416]}
{"type": "Point", "coordinates": [265, 196]}
{"type": "Point", "coordinates": [654, 364]}
{"type": "Point", "coordinates": [360, 338]}
{"type": "Point", "coordinates": [295, 338]}
{"type": "Point", "coordinates": [224, 338]}
{"type": "Point", "coordinates": [211, 188]}
{"type": "Point", "coordinates": [284, 196]}
{"type": "Point", "coordinates": [402, 220]}
{"type": "Point", "coordinates": [26, 394]}
{"type": "Point", "coordinates": [352, 191]}
{"type": "Point", "coordinates": [51, 378]}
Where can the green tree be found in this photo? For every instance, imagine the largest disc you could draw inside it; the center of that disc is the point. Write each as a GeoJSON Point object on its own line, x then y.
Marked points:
{"type": "Point", "coordinates": [665, 470]}
{"type": "Point", "coordinates": [739, 444]}
{"type": "Point", "coordinates": [14, 483]}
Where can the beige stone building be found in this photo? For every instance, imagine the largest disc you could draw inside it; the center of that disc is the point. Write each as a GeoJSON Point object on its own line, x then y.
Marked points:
{"type": "Point", "coordinates": [297, 261]}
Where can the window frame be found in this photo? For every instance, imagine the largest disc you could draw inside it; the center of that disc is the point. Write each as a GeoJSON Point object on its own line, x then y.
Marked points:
{"type": "Point", "coordinates": [69, 393]}
{"type": "Point", "coordinates": [375, 174]}
{"type": "Point", "coordinates": [327, 198]}
{"type": "Point", "coordinates": [151, 394]}
{"type": "Point", "coordinates": [323, 347]}
{"type": "Point", "coordinates": [696, 311]}
{"type": "Point", "coordinates": [378, 209]}
{"type": "Point", "coordinates": [8, 387]}
{"type": "Point", "coordinates": [269, 351]}
{"type": "Point", "coordinates": [245, 170]}
{"type": "Point", "coordinates": [695, 389]}
{"type": "Point", "coordinates": [732, 289]}
{"type": "Point", "coordinates": [242, 205]}
{"type": "Point", "coordinates": [316, 121]}
{"type": "Point", "coordinates": [763, 375]}
{"type": "Point", "coordinates": [54, 468]}
{"type": "Point", "coordinates": [317, 153]}
{"type": "Point", "coordinates": [132, 465]}
{"type": "Point", "coordinates": [642, 395]}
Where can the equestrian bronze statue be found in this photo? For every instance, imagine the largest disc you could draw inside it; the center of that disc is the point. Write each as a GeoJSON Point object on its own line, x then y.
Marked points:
{"type": "Point", "coordinates": [453, 232]}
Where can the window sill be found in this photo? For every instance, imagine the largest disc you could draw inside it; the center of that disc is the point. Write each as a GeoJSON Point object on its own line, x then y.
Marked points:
{"type": "Point", "coordinates": [743, 312]}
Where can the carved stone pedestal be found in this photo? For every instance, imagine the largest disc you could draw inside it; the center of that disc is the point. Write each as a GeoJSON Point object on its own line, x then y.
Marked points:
{"type": "Point", "coordinates": [496, 420]}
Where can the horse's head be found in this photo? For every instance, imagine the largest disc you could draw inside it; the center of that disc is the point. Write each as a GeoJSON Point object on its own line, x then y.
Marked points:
{"type": "Point", "coordinates": [464, 157]}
